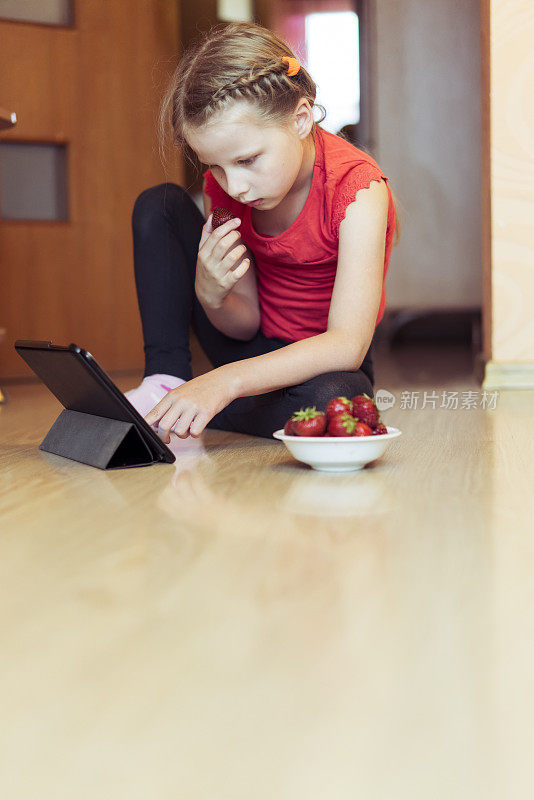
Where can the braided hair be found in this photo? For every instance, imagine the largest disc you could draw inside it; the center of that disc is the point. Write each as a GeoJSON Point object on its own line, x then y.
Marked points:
{"type": "Point", "coordinates": [235, 61]}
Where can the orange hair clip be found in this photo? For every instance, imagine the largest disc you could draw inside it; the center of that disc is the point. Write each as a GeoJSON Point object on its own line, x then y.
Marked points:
{"type": "Point", "coordinates": [293, 65]}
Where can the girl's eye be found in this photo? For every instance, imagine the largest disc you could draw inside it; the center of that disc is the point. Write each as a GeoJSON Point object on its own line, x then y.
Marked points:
{"type": "Point", "coordinates": [244, 161]}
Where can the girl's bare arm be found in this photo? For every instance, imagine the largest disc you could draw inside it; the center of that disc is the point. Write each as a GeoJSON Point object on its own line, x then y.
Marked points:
{"type": "Point", "coordinates": [353, 308]}
{"type": "Point", "coordinates": [239, 314]}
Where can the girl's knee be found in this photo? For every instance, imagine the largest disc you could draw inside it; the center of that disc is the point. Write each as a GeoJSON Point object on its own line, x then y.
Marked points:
{"type": "Point", "coordinates": [153, 202]}
{"type": "Point", "coordinates": [319, 390]}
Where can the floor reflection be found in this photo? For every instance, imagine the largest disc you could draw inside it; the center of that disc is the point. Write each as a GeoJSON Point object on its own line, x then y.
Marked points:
{"type": "Point", "coordinates": [336, 496]}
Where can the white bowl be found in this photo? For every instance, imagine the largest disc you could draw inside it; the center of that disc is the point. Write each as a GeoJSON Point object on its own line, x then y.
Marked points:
{"type": "Point", "coordinates": [337, 453]}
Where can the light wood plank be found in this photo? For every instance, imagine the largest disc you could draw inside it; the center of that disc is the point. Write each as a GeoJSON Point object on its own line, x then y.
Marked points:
{"type": "Point", "coordinates": [238, 625]}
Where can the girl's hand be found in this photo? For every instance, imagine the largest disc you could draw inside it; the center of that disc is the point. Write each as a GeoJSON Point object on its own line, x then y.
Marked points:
{"type": "Point", "coordinates": [218, 269]}
{"type": "Point", "coordinates": [191, 405]}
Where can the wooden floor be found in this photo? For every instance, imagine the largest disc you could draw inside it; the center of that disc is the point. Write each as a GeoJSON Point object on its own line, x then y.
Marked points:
{"type": "Point", "coordinates": [237, 626]}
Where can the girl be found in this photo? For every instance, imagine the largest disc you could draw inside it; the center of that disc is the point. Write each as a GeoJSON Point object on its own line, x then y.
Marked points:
{"type": "Point", "coordinates": [285, 297]}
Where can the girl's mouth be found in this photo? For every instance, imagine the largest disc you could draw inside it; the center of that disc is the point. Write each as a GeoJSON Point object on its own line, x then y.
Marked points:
{"type": "Point", "coordinates": [255, 202]}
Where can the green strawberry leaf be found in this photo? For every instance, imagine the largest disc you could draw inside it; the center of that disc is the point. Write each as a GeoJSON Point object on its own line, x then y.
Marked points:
{"type": "Point", "coordinates": [307, 413]}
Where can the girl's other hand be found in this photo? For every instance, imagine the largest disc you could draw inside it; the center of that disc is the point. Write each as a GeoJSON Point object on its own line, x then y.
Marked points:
{"type": "Point", "coordinates": [192, 405]}
{"type": "Point", "coordinates": [218, 269]}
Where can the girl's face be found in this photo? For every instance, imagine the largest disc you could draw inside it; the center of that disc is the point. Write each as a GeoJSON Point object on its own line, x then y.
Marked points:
{"type": "Point", "coordinates": [253, 161]}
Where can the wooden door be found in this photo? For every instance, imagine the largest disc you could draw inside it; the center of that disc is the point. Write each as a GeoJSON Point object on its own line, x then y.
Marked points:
{"type": "Point", "coordinates": [95, 88]}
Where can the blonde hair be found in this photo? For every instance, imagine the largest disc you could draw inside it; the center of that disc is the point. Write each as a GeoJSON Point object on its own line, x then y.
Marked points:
{"type": "Point", "coordinates": [233, 61]}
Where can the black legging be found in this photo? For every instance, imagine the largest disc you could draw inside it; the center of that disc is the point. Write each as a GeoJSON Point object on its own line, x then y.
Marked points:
{"type": "Point", "coordinates": [167, 226]}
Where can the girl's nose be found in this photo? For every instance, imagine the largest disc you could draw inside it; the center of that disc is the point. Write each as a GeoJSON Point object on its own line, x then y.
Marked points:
{"type": "Point", "coordinates": [237, 190]}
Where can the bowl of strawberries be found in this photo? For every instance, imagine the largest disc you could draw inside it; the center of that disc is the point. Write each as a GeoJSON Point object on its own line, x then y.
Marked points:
{"type": "Point", "coordinates": [344, 437]}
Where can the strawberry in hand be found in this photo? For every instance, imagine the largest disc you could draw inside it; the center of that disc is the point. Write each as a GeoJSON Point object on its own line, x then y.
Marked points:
{"type": "Point", "coordinates": [220, 216]}
{"type": "Point", "coordinates": [309, 422]}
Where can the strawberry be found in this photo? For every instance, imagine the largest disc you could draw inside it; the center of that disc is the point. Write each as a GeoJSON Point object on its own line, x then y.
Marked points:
{"type": "Point", "coordinates": [362, 429]}
{"type": "Point", "coordinates": [341, 424]}
{"type": "Point", "coordinates": [220, 216]}
{"type": "Point", "coordinates": [379, 429]}
{"type": "Point", "coordinates": [337, 405]}
{"type": "Point", "coordinates": [363, 407]}
{"type": "Point", "coordinates": [309, 422]}
{"type": "Point", "coordinates": [288, 427]}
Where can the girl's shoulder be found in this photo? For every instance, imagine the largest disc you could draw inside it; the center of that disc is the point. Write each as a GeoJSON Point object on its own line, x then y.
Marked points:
{"type": "Point", "coordinates": [342, 160]}
{"type": "Point", "coordinates": [347, 169]}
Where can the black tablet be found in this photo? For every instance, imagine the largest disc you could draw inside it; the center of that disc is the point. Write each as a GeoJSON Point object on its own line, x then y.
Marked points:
{"type": "Point", "coordinates": [80, 384]}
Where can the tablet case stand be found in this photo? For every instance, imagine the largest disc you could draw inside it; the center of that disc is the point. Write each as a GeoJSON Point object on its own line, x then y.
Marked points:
{"type": "Point", "coordinates": [97, 441]}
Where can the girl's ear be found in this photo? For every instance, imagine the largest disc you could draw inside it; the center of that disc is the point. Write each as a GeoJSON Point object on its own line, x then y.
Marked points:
{"type": "Point", "coordinates": [303, 118]}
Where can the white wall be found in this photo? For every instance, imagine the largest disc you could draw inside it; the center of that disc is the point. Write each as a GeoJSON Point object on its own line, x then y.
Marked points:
{"type": "Point", "coordinates": [426, 101]}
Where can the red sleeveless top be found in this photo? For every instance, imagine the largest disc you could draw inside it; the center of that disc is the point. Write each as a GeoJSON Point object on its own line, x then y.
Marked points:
{"type": "Point", "coordinates": [296, 270]}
